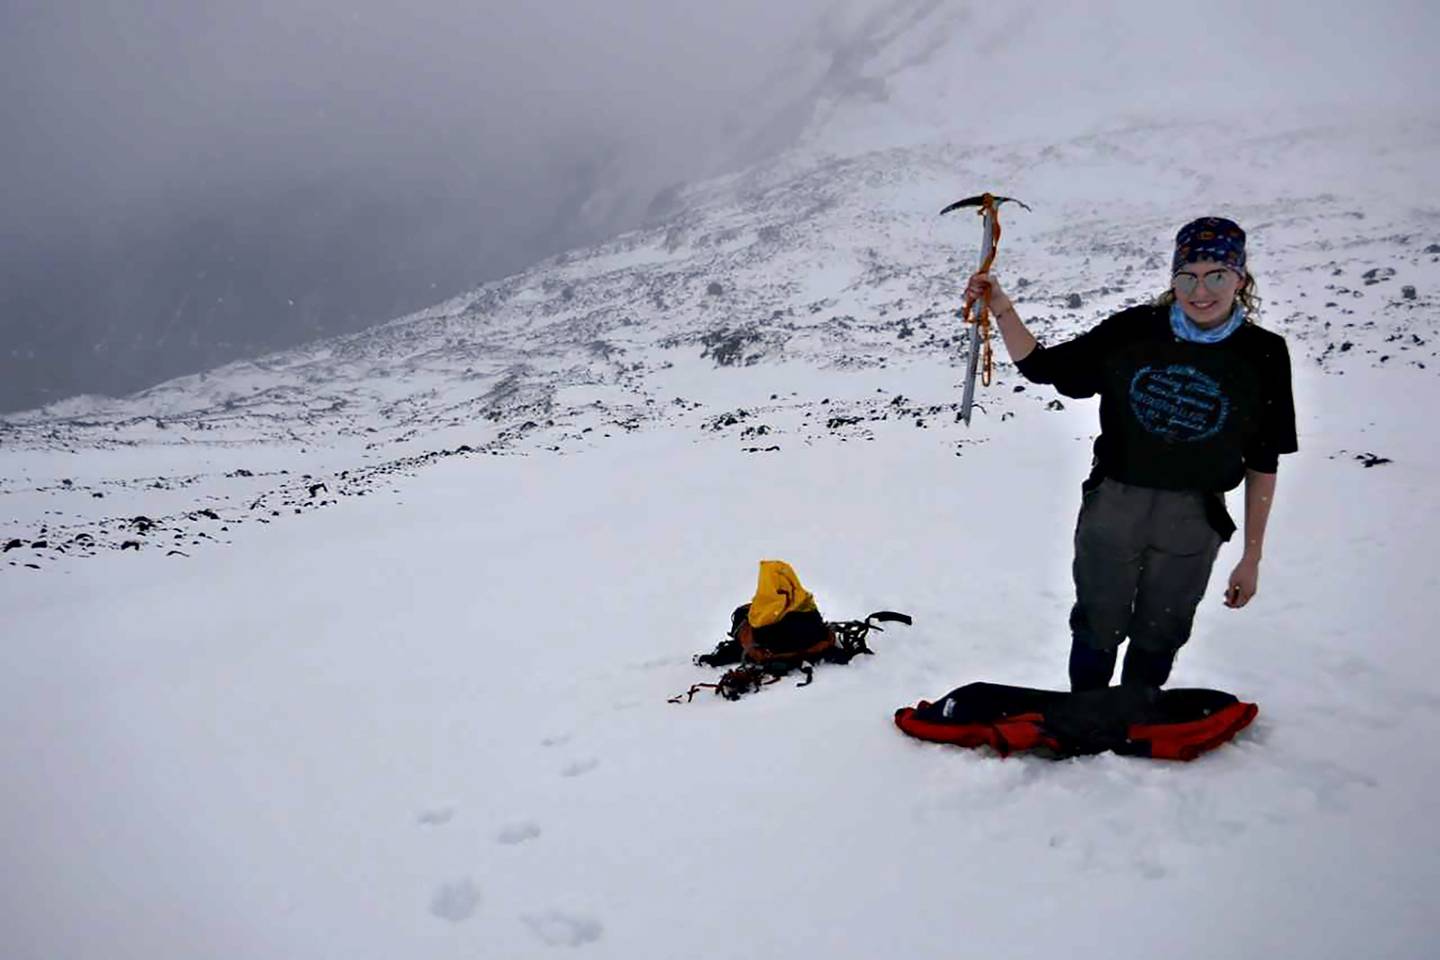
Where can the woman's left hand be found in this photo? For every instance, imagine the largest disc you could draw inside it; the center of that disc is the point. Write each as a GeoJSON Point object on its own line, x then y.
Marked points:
{"type": "Point", "coordinates": [1244, 583]}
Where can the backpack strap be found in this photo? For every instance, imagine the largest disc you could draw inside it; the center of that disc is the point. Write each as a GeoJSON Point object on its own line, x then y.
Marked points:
{"type": "Point", "coordinates": [756, 652]}
{"type": "Point", "coordinates": [734, 684]}
{"type": "Point", "coordinates": [850, 635]}
{"type": "Point", "coordinates": [729, 650]}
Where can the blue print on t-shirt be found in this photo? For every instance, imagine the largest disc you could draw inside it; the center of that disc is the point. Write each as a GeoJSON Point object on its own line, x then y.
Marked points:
{"type": "Point", "coordinates": [1178, 403]}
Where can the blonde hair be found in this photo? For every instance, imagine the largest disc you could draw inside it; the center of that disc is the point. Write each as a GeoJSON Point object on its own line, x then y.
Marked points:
{"type": "Point", "coordinates": [1248, 296]}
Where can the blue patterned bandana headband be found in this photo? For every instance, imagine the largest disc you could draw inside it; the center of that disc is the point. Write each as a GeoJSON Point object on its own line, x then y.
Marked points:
{"type": "Point", "coordinates": [1186, 329]}
{"type": "Point", "coordinates": [1210, 238]}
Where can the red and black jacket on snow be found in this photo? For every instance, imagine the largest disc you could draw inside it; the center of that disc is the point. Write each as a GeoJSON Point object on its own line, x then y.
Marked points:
{"type": "Point", "coordinates": [1176, 724]}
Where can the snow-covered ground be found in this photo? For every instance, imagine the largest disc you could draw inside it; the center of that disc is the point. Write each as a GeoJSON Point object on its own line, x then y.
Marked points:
{"type": "Point", "coordinates": [364, 649]}
{"type": "Point", "coordinates": [434, 723]}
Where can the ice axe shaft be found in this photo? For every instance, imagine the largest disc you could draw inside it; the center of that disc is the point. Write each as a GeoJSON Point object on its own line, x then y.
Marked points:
{"type": "Point", "coordinates": [972, 355]}
{"type": "Point", "coordinates": [979, 336]}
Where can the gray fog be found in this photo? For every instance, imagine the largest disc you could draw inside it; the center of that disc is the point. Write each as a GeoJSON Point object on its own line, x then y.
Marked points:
{"type": "Point", "coordinates": [187, 182]}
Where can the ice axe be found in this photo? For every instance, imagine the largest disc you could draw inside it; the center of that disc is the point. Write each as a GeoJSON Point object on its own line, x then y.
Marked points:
{"type": "Point", "coordinates": [989, 205]}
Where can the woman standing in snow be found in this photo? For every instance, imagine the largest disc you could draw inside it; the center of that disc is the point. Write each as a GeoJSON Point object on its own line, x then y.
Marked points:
{"type": "Point", "coordinates": [1194, 398]}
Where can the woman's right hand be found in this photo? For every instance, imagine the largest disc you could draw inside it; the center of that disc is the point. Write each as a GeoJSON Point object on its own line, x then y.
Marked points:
{"type": "Point", "coordinates": [1019, 341]}
{"type": "Point", "coordinates": [986, 288]}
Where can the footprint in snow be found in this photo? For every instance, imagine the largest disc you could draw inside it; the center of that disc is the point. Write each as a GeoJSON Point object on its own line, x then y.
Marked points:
{"type": "Point", "coordinates": [435, 818]}
{"type": "Point", "coordinates": [1151, 870]}
{"type": "Point", "coordinates": [518, 833]}
{"type": "Point", "coordinates": [456, 901]}
{"type": "Point", "coordinates": [556, 741]}
{"type": "Point", "coordinates": [1418, 699]}
{"type": "Point", "coordinates": [579, 767]}
{"type": "Point", "coordinates": [657, 663]}
{"type": "Point", "coordinates": [564, 930]}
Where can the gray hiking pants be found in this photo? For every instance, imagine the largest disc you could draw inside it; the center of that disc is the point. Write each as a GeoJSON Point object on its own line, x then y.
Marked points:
{"type": "Point", "coordinates": [1142, 561]}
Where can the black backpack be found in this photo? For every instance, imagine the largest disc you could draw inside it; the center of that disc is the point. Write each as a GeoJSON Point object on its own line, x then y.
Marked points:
{"type": "Point", "coordinates": [797, 641]}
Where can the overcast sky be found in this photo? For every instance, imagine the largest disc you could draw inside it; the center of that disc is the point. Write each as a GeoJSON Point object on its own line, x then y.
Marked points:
{"type": "Point", "coordinates": [358, 157]}
{"type": "Point", "coordinates": [187, 182]}
{"type": "Point", "coordinates": [145, 100]}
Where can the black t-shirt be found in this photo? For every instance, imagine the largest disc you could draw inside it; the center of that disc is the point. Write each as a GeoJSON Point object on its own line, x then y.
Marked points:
{"type": "Point", "coordinates": [1177, 415]}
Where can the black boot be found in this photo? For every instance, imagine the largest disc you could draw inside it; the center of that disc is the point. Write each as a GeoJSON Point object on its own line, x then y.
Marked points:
{"type": "Point", "coordinates": [1090, 667]}
{"type": "Point", "coordinates": [1146, 668]}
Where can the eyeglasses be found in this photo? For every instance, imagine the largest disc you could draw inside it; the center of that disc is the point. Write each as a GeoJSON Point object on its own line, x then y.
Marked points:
{"type": "Point", "coordinates": [1215, 281]}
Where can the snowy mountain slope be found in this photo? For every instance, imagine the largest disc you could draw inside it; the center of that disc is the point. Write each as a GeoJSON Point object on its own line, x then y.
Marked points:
{"type": "Point", "coordinates": [912, 71]}
{"type": "Point", "coordinates": [841, 267]}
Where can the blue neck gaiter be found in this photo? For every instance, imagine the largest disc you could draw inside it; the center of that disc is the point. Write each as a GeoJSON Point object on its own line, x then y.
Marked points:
{"type": "Point", "coordinates": [1190, 331]}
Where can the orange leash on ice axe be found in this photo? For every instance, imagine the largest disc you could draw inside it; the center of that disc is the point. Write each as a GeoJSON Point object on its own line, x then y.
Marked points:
{"type": "Point", "coordinates": [979, 342]}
